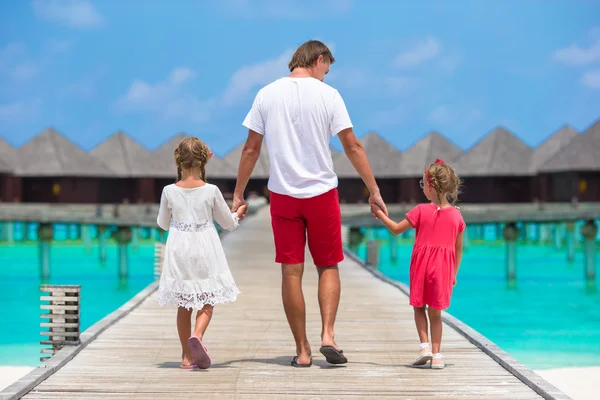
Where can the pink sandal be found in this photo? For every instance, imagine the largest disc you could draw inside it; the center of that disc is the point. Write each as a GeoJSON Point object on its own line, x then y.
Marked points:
{"type": "Point", "coordinates": [201, 357]}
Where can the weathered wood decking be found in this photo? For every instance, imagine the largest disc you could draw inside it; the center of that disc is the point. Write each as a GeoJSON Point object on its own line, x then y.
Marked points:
{"type": "Point", "coordinates": [251, 346]}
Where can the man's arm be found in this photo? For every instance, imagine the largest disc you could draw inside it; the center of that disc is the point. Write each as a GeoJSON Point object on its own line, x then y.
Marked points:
{"type": "Point", "coordinates": [356, 154]}
{"type": "Point", "coordinates": [248, 161]}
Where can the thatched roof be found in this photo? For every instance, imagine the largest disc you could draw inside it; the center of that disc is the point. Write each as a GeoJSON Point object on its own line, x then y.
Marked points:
{"type": "Point", "coordinates": [384, 158]}
{"type": "Point", "coordinates": [261, 170]}
{"type": "Point", "coordinates": [51, 154]}
{"type": "Point", "coordinates": [216, 167]}
{"type": "Point", "coordinates": [7, 157]}
{"type": "Point", "coordinates": [582, 153]}
{"type": "Point", "coordinates": [552, 145]}
{"type": "Point", "coordinates": [425, 151]}
{"type": "Point", "coordinates": [127, 158]}
{"type": "Point", "coordinates": [498, 154]}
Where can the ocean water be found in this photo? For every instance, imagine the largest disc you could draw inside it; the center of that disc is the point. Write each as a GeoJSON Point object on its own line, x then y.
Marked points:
{"type": "Point", "coordinates": [549, 319]}
{"type": "Point", "coordinates": [101, 290]}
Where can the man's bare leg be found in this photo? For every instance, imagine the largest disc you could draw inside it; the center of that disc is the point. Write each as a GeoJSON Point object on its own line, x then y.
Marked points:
{"type": "Point", "coordinates": [295, 308]}
{"type": "Point", "coordinates": [329, 300]}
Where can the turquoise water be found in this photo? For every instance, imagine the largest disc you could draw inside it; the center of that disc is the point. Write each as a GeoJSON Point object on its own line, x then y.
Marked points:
{"type": "Point", "coordinates": [101, 290]}
{"type": "Point", "coordinates": [551, 319]}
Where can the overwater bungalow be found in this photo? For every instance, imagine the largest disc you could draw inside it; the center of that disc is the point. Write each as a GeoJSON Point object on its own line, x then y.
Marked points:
{"type": "Point", "coordinates": [133, 170]}
{"type": "Point", "coordinates": [417, 157]}
{"type": "Point", "coordinates": [543, 153]}
{"type": "Point", "coordinates": [496, 170]}
{"type": "Point", "coordinates": [218, 171]}
{"type": "Point", "coordinates": [499, 168]}
{"type": "Point", "coordinates": [52, 169]}
{"type": "Point", "coordinates": [574, 171]}
{"type": "Point", "coordinates": [385, 162]}
{"type": "Point", "coordinates": [7, 161]}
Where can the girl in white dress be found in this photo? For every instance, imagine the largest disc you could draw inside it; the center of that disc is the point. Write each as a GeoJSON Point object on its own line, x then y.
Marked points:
{"type": "Point", "coordinates": [195, 273]}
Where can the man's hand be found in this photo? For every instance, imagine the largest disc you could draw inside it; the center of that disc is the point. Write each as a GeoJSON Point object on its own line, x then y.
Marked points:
{"type": "Point", "coordinates": [237, 203]}
{"type": "Point", "coordinates": [376, 202]}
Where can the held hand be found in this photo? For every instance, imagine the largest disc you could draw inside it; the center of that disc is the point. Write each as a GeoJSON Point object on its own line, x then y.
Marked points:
{"type": "Point", "coordinates": [238, 202]}
{"type": "Point", "coordinates": [241, 211]}
{"type": "Point", "coordinates": [376, 202]}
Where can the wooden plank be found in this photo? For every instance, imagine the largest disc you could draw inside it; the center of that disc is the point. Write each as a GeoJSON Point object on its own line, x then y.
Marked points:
{"type": "Point", "coordinates": [60, 342]}
{"type": "Point", "coordinates": [60, 298]}
{"type": "Point", "coordinates": [59, 307]}
{"type": "Point", "coordinates": [59, 325]}
{"type": "Point", "coordinates": [64, 316]}
{"type": "Point", "coordinates": [60, 334]}
{"type": "Point", "coordinates": [251, 345]}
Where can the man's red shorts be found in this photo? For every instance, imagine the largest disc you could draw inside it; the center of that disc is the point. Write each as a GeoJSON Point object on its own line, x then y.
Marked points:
{"type": "Point", "coordinates": [318, 217]}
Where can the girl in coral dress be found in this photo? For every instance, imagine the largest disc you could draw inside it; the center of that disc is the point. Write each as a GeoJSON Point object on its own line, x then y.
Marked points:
{"type": "Point", "coordinates": [436, 256]}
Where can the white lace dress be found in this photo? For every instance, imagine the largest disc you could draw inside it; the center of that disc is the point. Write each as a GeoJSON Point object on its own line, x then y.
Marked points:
{"type": "Point", "coordinates": [195, 271]}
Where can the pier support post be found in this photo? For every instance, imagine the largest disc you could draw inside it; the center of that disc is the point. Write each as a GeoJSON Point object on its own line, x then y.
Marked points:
{"type": "Point", "coordinates": [558, 236]}
{"type": "Point", "coordinates": [28, 229]}
{"type": "Point", "coordinates": [85, 235]}
{"type": "Point", "coordinates": [570, 241]}
{"type": "Point", "coordinates": [135, 239]}
{"type": "Point", "coordinates": [102, 243]}
{"type": "Point", "coordinates": [355, 237]}
{"type": "Point", "coordinates": [45, 234]}
{"type": "Point", "coordinates": [8, 232]}
{"type": "Point", "coordinates": [123, 237]}
{"type": "Point", "coordinates": [373, 253]}
{"type": "Point", "coordinates": [511, 233]}
{"type": "Point", "coordinates": [544, 233]}
{"type": "Point", "coordinates": [589, 231]}
{"type": "Point", "coordinates": [393, 248]}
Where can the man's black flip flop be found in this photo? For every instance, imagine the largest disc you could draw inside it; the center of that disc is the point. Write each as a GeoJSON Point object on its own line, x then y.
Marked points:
{"type": "Point", "coordinates": [296, 365]}
{"type": "Point", "coordinates": [333, 356]}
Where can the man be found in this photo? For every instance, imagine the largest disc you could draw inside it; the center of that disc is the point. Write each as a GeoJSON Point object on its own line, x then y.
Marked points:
{"type": "Point", "coordinates": [296, 116]}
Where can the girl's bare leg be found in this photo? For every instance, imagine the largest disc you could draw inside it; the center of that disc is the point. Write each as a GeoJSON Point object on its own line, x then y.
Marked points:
{"type": "Point", "coordinates": [424, 349]}
{"type": "Point", "coordinates": [184, 328]}
{"type": "Point", "coordinates": [435, 318]}
{"type": "Point", "coordinates": [203, 318]}
{"type": "Point", "coordinates": [421, 323]}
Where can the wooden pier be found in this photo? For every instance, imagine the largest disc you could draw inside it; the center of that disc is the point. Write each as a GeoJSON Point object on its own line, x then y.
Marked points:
{"type": "Point", "coordinates": [138, 356]}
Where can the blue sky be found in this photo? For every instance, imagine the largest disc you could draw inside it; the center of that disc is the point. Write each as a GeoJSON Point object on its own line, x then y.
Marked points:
{"type": "Point", "coordinates": [90, 68]}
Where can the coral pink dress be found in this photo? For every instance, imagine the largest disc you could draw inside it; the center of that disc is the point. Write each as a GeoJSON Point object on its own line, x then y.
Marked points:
{"type": "Point", "coordinates": [433, 261]}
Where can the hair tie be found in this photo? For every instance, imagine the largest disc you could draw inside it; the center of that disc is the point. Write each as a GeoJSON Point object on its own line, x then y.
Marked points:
{"type": "Point", "coordinates": [439, 161]}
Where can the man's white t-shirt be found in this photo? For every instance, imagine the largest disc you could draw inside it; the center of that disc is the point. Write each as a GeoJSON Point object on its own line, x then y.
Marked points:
{"type": "Point", "coordinates": [296, 116]}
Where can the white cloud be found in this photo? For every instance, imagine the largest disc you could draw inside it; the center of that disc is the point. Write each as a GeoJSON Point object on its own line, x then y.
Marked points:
{"type": "Point", "coordinates": [180, 75]}
{"type": "Point", "coordinates": [591, 79]}
{"type": "Point", "coordinates": [74, 13]}
{"type": "Point", "coordinates": [461, 117]}
{"type": "Point", "coordinates": [170, 99]}
{"type": "Point", "coordinates": [20, 110]}
{"type": "Point", "coordinates": [442, 114]}
{"type": "Point", "coordinates": [15, 65]}
{"type": "Point", "coordinates": [58, 46]}
{"type": "Point", "coordinates": [279, 9]}
{"type": "Point", "coordinates": [450, 64]}
{"type": "Point", "coordinates": [419, 53]}
{"type": "Point", "coordinates": [25, 71]}
{"type": "Point", "coordinates": [250, 77]}
{"type": "Point", "coordinates": [359, 79]}
{"type": "Point", "coordinates": [577, 56]}
{"type": "Point", "coordinates": [390, 117]}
